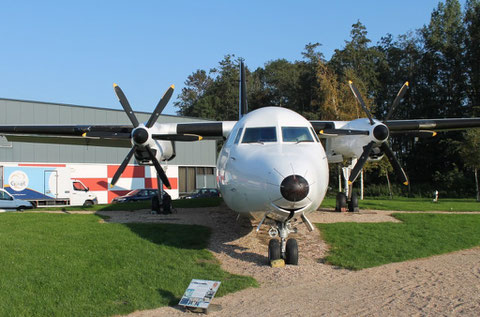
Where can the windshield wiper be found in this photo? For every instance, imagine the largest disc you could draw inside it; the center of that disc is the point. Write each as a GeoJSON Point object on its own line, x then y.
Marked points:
{"type": "Point", "coordinates": [299, 141]}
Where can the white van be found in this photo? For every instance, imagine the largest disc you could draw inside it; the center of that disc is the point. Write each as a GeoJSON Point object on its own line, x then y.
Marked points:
{"type": "Point", "coordinates": [8, 202]}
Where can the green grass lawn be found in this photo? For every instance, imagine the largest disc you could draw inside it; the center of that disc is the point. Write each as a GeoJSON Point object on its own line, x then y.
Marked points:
{"type": "Point", "coordinates": [179, 203]}
{"type": "Point", "coordinates": [363, 245]}
{"type": "Point", "coordinates": [412, 204]}
{"type": "Point", "coordinates": [75, 265]}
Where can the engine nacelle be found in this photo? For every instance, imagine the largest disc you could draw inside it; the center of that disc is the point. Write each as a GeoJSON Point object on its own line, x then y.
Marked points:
{"type": "Point", "coordinates": [346, 147]}
{"type": "Point", "coordinates": [163, 151]}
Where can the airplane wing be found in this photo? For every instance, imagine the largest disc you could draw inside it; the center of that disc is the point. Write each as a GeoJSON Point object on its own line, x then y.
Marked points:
{"type": "Point", "coordinates": [110, 135]}
{"type": "Point", "coordinates": [433, 124]}
{"type": "Point", "coordinates": [67, 134]}
{"type": "Point", "coordinates": [420, 127]}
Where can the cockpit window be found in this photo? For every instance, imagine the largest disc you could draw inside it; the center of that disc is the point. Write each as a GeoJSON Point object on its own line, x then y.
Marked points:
{"type": "Point", "coordinates": [261, 135]}
{"type": "Point", "coordinates": [296, 134]}
{"type": "Point", "coordinates": [237, 138]}
{"type": "Point", "coordinates": [315, 134]}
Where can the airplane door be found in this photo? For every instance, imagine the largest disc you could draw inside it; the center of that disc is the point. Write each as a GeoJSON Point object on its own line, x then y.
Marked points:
{"type": "Point", "coordinates": [50, 183]}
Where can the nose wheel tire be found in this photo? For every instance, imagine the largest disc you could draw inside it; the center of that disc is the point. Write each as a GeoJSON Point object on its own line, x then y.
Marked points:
{"type": "Point", "coordinates": [291, 252]}
{"type": "Point", "coordinates": [274, 250]}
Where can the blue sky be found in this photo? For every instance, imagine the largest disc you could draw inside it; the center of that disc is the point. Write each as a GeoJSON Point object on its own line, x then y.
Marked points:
{"type": "Point", "coordinates": [73, 51]}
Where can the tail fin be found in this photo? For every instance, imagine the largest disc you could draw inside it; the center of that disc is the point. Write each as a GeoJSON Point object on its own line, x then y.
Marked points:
{"type": "Point", "coordinates": [243, 108]}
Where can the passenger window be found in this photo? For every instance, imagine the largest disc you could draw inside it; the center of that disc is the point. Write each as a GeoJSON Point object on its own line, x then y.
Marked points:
{"type": "Point", "coordinates": [261, 135]}
{"type": "Point", "coordinates": [296, 134]}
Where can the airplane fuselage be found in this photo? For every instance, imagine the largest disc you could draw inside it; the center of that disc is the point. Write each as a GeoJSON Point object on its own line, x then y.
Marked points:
{"type": "Point", "coordinates": [273, 164]}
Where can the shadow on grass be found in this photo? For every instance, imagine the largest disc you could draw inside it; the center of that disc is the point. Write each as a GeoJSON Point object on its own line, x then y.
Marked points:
{"type": "Point", "coordinates": [178, 236]}
{"type": "Point", "coordinates": [170, 297]}
{"type": "Point", "coordinates": [226, 228]}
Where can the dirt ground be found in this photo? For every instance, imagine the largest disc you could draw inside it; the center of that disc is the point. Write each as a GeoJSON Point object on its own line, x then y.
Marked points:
{"type": "Point", "coordinates": [445, 285]}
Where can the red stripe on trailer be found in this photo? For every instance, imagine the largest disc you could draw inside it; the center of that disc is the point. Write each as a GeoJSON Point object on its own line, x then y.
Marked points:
{"type": "Point", "coordinates": [129, 172]}
{"type": "Point", "coordinates": [41, 165]}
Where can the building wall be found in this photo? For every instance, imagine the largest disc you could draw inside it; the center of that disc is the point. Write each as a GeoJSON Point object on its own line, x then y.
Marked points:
{"type": "Point", "coordinates": [94, 165]}
{"type": "Point", "coordinates": [200, 153]}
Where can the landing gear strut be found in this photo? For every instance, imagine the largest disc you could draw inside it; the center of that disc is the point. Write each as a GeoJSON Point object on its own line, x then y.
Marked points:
{"type": "Point", "coordinates": [347, 198]}
{"type": "Point", "coordinates": [283, 249]}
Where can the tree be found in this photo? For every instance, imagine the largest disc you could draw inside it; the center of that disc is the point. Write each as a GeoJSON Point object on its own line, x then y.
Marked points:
{"type": "Point", "coordinates": [358, 58]}
{"type": "Point", "coordinates": [470, 153]}
{"type": "Point", "coordinates": [472, 47]}
{"type": "Point", "coordinates": [195, 88]}
{"type": "Point", "coordinates": [213, 96]}
{"type": "Point", "coordinates": [335, 101]}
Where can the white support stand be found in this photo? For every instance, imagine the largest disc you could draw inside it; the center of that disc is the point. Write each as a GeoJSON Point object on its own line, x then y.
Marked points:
{"type": "Point", "coordinates": [346, 174]}
{"type": "Point", "coordinates": [361, 185]}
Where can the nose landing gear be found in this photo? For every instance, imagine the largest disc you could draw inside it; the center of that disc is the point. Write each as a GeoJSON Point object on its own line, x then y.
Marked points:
{"type": "Point", "coordinates": [283, 249]}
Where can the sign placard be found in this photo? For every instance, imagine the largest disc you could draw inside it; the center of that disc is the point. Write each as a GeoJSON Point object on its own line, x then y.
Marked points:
{"type": "Point", "coordinates": [199, 293]}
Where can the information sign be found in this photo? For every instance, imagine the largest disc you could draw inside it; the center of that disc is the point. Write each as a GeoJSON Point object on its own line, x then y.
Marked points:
{"type": "Point", "coordinates": [199, 293]}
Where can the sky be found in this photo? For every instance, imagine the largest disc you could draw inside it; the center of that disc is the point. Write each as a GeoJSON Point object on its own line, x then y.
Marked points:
{"type": "Point", "coordinates": [73, 51]}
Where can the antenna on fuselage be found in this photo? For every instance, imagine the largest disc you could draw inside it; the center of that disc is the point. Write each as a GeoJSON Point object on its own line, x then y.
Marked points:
{"type": "Point", "coordinates": [242, 105]}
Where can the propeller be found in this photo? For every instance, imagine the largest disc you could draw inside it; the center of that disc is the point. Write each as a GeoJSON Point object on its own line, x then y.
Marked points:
{"type": "Point", "coordinates": [381, 133]}
{"type": "Point", "coordinates": [359, 98]}
{"type": "Point", "coordinates": [141, 135]}
{"type": "Point", "coordinates": [399, 97]}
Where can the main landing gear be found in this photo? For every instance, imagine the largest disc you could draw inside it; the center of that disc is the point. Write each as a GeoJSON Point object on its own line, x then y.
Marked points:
{"type": "Point", "coordinates": [342, 203]}
{"type": "Point", "coordinates": [286, 249]}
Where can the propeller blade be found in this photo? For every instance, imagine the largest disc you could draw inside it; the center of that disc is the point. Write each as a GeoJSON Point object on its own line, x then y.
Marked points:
{"type": "Point", "coordinates": [159, 169]}
{"type": "Point", "coordinates": [107, 135]}
{"type": "Point", "coordinates": [361, 161]}
{"type": "Point", "coordinates": [401, 175]}
{"type": "Point", "coordinates": [177, 137]}
{"type": "Point", "coordinates": [399, 97]}
{"type": "Point", "coordinates": [122, 167]}
{"type": "Point", "coordinates": [359, 98]}
{"type": "Point", "coordinates": [414, 133]}
{"type": "Point", "coordinates": [126, 106]}
{"type": "Point", "coordinates": [160, 106]}
{"type": "Point", "coordinates": [335, 132]}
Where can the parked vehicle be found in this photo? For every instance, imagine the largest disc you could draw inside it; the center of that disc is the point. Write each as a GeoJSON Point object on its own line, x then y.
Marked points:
{"type": "Point", "coordinates": [136, 195]}
{"type": "Point", "coordinates": [44, 186]}
{"type": "Point", "coordinates": [204, 193]}
{"type": "Point", "coordinates": [8, 202]}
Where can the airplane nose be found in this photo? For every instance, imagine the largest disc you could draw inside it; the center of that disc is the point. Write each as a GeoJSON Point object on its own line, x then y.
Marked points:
{"type": "Point", "coordinates": [294, 188]}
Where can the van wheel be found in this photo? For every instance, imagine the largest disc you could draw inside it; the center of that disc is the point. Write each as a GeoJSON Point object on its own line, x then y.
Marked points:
{"type": "Point", "coordinates": [87, 203]}
{"type": "Point", "coordinates": [21, 208]}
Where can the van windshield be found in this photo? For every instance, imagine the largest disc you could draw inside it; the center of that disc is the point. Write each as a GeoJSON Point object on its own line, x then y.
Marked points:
{"type": "Point", "coordinates": [79, 186]}
{"type": "Point", "coordinates": [4, 196]}
{"type": "Point", "coordinates": [260, 135]}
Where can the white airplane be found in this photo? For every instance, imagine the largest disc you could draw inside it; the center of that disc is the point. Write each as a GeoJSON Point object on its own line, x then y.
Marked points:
{"type": "Point", "coordinates": [272, 166]}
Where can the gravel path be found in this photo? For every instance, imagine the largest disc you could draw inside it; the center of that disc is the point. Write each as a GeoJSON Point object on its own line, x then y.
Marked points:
{"type": "Point", "coordinates": [445, 285]}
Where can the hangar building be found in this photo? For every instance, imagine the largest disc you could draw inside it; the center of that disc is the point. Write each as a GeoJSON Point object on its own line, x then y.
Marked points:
{"type": "Point", "coordinates": [193, 167]}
